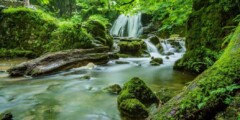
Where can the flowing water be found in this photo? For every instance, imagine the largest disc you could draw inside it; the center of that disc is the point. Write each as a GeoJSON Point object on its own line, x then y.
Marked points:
{"type": "Point", "coordinates": [127, 26]}
{"type": "Point", "coordinates": [69, 95]}
{"type": "Point", "coordinates": [77, 94]}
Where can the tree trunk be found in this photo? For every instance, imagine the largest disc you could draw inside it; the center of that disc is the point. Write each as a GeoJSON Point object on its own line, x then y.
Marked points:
{"type": "Point", "coordinates": [205, 96]}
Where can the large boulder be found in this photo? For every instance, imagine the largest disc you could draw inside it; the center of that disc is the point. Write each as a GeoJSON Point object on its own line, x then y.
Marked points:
{"type": "Point", "coordinates": [63, 60]}
{"type": "Point", "coordinates": [135, 97]}
{"type": "Point", "coordinates": [133, 48]}
{"type": "Point", "coordinates": [133, 108]}
{"type": "Point", "coordinates": [98, 30]}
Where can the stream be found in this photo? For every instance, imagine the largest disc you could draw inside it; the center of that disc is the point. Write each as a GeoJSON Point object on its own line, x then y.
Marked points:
{"type": "Point", "coordinates": [78, 93]}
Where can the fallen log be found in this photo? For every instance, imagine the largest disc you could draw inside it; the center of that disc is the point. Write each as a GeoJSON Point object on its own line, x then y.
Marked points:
{"type": "Point", "coordinates": [58, 61]}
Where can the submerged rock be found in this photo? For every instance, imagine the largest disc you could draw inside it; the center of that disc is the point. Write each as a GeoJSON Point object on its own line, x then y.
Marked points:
{"type": "Point", "coordinates": [156, 61]}
{"type": "Point", "coordinates": [134, 98]}
{"type": "Point", "coordinates": [121, 62]}
{"type": "Point", "coordinates": [113, 89]}
{"type": "Point", "coordinates": [6, 116]}
{"type": "Point", "coordinates": [58, 61]}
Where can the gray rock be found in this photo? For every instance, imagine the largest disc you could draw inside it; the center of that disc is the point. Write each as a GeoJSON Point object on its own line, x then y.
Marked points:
{"type": "Point", "coordinates": [58, 61]}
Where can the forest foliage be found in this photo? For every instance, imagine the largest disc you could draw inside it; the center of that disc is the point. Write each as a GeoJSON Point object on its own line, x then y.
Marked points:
{"type": "Point", "coordinates": [62, 23]}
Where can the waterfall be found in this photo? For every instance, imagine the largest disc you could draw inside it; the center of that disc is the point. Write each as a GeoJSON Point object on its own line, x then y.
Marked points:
{"type": "Point", "coordinates": [152, 49]}
{"type": "Point", "coordinates": [127, 26]}
{"type": "Point", "coordinates": [167, 47]}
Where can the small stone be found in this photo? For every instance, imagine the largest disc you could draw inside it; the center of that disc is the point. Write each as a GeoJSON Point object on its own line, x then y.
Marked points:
{"type": "Point", "coordinates": [156, 61]}
{"type": "Point", "coordinates": [113, 89]}
{"type": "Point", "coordinates": [121, 62]}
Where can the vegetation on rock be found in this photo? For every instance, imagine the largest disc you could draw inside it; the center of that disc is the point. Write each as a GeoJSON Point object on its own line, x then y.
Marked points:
{"type": "Point", "coordinates": [135, 97]}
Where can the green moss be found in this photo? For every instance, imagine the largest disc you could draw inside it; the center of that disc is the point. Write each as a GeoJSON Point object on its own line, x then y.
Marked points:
{"type": "Point", "coordinates": [25, 29]}
{"type": "Point", "coordinates": [133, 108]}
{"type": "Point", "coordinates": [135, 97]}
{"type": "Point", "coordinates": [138, 89]}
{"type": "Point", "coordinates": [156, 61]}
{"type": "Point", "coordinates": [96, 25]}
{"type": "Point", "coordinates": [207, 94]}
{"type": "Point", "coordinates": [70, 36]}
{"type": "Point", "coordinates": [11, 53]}
{"type": "Point", "coordinates": [133, 48]}
{"type": "Point", "coordinates": [205, 33]}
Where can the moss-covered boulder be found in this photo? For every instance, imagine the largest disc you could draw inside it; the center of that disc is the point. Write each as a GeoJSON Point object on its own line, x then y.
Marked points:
{"type": "Point", "coordinates": [133, 108]}
{"type": "Point", "coordinates": [96, 25]}
{"type": "Point", "coordinates": [133, 48]}
{"type": "Point", "coordinates": [25, 29]}
{"type": "Point", "coordinates": [156, 61]}
{"type": "Point", "coordinates": [136, 97]}
{"type": "Point", "coordinates": [207, 26]}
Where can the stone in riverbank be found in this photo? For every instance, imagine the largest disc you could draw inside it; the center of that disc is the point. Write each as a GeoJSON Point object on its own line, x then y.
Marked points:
{"type": "Point", "coordinates": [134, 98]}
{"type": "Point", "coordinates": [58, 61]}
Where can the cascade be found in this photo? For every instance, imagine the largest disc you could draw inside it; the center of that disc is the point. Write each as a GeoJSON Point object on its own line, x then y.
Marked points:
{"type": "Point", "coordinates": [152, 49]}
{"type": "Point", "coordinates": [127, 26]}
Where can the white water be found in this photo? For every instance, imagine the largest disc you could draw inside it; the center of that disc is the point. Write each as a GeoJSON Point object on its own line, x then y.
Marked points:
{"type": "Point", "coordinates": [127, 26]}
{"type": "Point", "coordinates": [152, 49]}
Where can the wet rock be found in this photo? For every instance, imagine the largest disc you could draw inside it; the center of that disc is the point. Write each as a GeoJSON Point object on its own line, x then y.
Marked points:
{"type": "Point", "coordinates": [160, 48]}
{"type": "Point", "coordinates": [6, 116]}
{"type": "Point", "coordinates": [167, 57]}
{"type": "Point", "coordinates": [121, 62]}
{"type": "Point", "coordinates": [168, 53]}
{"type": "Point", "coordinates": [135, 97]}
{"type": "Point", "coordinates": [58, 61]}
{"type": "Point", "coordinates": [154, 40]}
{"type": "Point", "coordinates": [156, 61]}
{"type": "Point", "coordinates": [90, 66]}
{"type": "Point", "coordinates": [133, 108]}
{"type": "Point", "coordinates": [113, 56]}
{"type": "Point", "coordinates": [133, 48]}
{"type": "Point", "coordinates": [113, 89]}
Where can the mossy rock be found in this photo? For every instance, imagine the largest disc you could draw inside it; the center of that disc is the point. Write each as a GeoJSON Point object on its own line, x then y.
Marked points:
{"type": "Point", "coordinates": [154, 40]}
{"type": "Point", "coordinates": [136, 88]}
{"type": "Point", "coordinates": [156, 61]}
{"type": "Point", "coordinates": [133, 108]}
{"type": "Point", "coordinates": [160, 48]}
{"type": "Point", "coordinates": [121, 62]}
{"type": "Point", "coordinates": [135, 97]}
{"type": "Point", "coordinates": [206, 30]}
{"type": "Point", "coordinates": [26, 29]}
{"type": "Point", "coordinates": [6, 116]}
{"type": "Point", "coordinates": [98, 30]}
{"type": "Point", "coordinates": [113, 89]}
{"type": "Point", "coordinates": [132, 48]}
